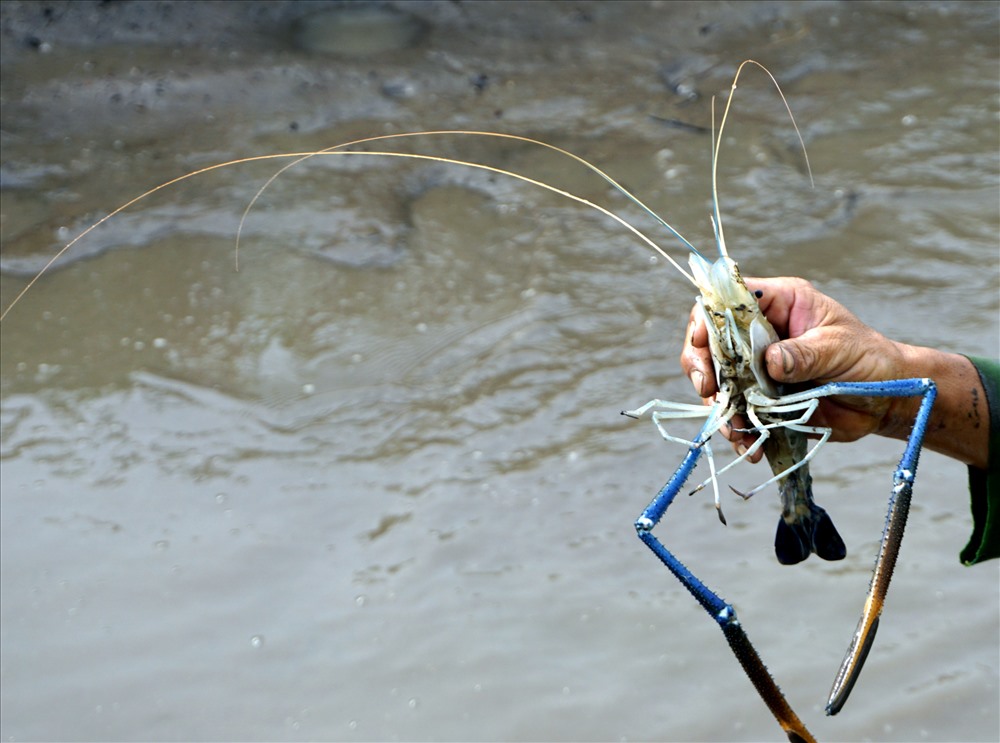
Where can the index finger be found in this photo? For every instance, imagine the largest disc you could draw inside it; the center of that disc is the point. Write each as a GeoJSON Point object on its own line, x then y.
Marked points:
{"type": "Point", "coordinates": [783, 301]}
{"type": "Point", "coordinates": [696, 357]}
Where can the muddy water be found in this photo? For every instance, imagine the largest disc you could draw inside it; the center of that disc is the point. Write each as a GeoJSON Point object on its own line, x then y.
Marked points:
{"type": "Point", "coordinates": [374, 485]}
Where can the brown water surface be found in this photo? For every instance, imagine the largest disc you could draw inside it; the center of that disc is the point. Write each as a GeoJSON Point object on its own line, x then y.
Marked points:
{"type": "Point", "coordinates": [374, 485]}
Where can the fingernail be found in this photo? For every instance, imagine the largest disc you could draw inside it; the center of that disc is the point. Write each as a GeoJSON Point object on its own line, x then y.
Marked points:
{"type": "Point", "coordinates": [698, 380]}
{"type": "Point", "coordinates": [741, 449]}
{"type": "Point", "coordinates": [787, 361]}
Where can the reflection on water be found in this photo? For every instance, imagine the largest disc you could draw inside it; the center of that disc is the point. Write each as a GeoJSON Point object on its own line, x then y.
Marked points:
{"type": "Point", "coordinates": [375, 485]}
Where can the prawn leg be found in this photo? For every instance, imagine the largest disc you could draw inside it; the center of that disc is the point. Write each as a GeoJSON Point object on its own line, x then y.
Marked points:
{"type": "Point", "coordinates": [722, 612]}
{"type": "Point", "coordinates": [892, 533]}
{"type": "Point", "coordinates": [895, 520]}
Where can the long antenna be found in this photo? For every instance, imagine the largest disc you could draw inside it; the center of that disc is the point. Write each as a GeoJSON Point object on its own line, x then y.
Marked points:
{"type": "Point", "coordinates": [339, 151]}
{"type": "Point", "coordinates": [462, 132]}
{"type": "Point", "coordinates": [717, 144]}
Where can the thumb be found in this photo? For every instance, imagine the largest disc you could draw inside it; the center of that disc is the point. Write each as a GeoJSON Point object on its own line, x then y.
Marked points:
{"type": "Point", "coordinates": [789, 361]}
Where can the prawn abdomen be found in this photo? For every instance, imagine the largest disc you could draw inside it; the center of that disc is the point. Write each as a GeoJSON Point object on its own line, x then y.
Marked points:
{"type": "Point", "coordinates": [804, 527]}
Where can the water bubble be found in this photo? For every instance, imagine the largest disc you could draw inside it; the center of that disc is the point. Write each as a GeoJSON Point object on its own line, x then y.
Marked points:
{"type": "Point", "coordinates": [308, 389]}
{"type": "Point", "coordinates": [360, 600]}
{"type": "Point", "coordinates": [159, 342]}
{"type": "Point", "coordinates": [47, 371]}
{"type": "Point", "coordinates": [161, 545]}
{"type": "Point", "coordinates": [257, 641]}
{"type": "Point", "coordinates": [413, 703]}
{"type": "Point", "coordinates": [221, 498]}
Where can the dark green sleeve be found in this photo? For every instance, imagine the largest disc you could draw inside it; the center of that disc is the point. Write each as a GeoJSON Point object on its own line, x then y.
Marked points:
{"type": "Point", "coordinates": [984, 485]}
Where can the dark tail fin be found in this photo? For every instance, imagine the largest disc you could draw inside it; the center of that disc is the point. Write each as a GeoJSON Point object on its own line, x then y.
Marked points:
{"type": "Point", "coordinates": [815, 532]}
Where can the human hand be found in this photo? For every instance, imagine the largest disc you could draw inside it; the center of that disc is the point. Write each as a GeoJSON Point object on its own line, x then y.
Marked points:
{"type": "Point", "coordinates": [822, 341]}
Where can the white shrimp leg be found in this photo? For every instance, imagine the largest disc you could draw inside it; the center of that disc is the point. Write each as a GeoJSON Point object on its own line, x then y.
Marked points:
{"type": "Point", "coordinates": [669, 410]}
{"type": "Point", "coordinates": [824, 437]}
{"type": "Point", "coordinates": [764, 430]}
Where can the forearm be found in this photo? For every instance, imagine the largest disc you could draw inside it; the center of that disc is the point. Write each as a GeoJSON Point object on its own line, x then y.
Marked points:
{"type": "Point", "coordinates": [960, 421]}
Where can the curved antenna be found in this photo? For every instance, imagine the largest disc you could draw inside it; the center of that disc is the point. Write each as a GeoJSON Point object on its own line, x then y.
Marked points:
{"type": "Point", "coordinates": [464, 132]}
{"type": "Point", "coordinates": [119, 210]}
{"type": "Point", "coordinates": [510, 174]}
{"type": "Point", "coordinates": [334, 151]}
{"type": "Point", "coordinates": [720, 240]}
{"type": "Point", "coordinates": [717, 143]}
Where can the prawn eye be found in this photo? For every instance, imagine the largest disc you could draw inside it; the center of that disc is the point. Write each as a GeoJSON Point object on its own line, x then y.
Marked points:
{"type": "Point", "coordinates": [759, 293]}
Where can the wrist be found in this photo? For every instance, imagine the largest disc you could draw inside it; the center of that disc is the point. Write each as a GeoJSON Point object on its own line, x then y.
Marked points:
{"type": "Point", "coordinates": [959, 423]}
{"type": "Point", "coordinates": [910, 362]}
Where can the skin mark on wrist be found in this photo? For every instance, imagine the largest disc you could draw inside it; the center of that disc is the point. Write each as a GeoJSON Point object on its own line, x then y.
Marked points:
{"type": "Point", "coordinates": [974, 417]}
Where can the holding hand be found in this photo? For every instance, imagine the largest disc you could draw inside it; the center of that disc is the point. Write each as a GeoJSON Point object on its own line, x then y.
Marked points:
{"type": "Point", "coordinates": [822, 341]}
